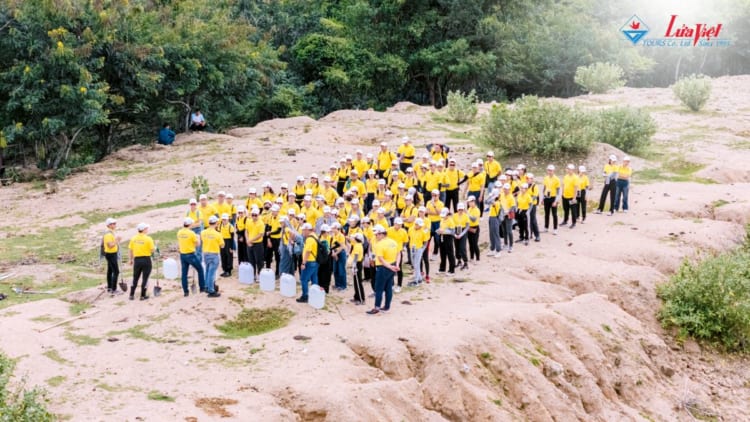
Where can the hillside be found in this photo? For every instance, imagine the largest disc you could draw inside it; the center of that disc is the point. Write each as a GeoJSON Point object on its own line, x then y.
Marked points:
{"type": "Point", "coordinates": [560, 330]}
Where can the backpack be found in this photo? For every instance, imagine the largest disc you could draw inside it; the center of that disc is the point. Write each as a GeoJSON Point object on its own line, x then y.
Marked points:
{"type": "Point", "coordinates": [322, 255]}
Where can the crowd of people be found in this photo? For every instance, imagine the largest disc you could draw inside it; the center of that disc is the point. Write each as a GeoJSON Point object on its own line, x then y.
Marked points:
{"type": "Point", "coordinates": [370, 215]}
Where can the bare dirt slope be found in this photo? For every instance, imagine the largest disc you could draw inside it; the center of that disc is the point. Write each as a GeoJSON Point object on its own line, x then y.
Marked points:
{"type": "Point", "coordinates": [560, 330]}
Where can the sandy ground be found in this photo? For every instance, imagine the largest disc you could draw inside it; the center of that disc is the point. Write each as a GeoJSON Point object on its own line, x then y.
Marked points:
{"type": "Point", "coordinates": [560, 330]}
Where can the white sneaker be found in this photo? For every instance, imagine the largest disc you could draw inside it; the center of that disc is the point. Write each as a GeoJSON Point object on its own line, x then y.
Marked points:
{"type": "Point", "coordinates": [397, 289]}
{"type": "Point", "coordinates": [498, 255]}
{"type": "Point", "coordinates": [554, 232]}
{"type": "Point", "coordinates": [490, 253]}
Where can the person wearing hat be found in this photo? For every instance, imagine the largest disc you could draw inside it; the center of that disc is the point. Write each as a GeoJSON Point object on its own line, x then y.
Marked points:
{"type": "Point", "coordinates": [493, 169]}
{"type": "Point", "coordinates": [268, 193]}
{"type": "Point", "coordinates": [477, 182]}
{"type": "Point", "coordinates": [188, 242]}
{"type": "Point", "coordinates": [495, 218]}
{"type": "Point", "coordinates": [140, 248]}
{"type": "Point", "coordinates": [438, 153]}
{"type": "Point", "coordinates": [240, 225]}
{"type": "Point", "coordinates": [410, 179]}
{"type": "Point", "coordinates": [422, 213]}
{"type": "Point", "coordinates": [371, 189]}
{"type": "Point", "coordinates": [583, 185]}
{"type": "Point", "coordinates": [624, 172]}
{"type": "Point", "coordinates": [418, 236]}
{"type": "Point", "coordinates": [206, 210]}
{"type": "Point", "coordinates": [212, 242]}
{"type": "Point", "coordinates": [299, 190]}
{"type": "Point", "coordinates": [338, 256]}
{"type": "Point", "coordinates": [452, 180]}
{"type": "Point", "coordinates": [434, 206]}
{"type": "Point", "coordinates": [531, 214]}
{"type": "Point", "coordinates": [255, 230]}
{"type": "Point", "coordinates": [393, 175]}
{"type": "Point", "coordinates": [329, 191]}
{"type": "Point", "coordinates": [253, 200]}
{"type": "Point", "coordinates": [309, 265]}
{"type": "Point", "coordinates": [194, 214]}
{"type": "Point", "coordinates": [220, 205]}
{"type": "Point", "coordinates": [523, 201]}
{"type": "Point", "coordinates": [509, 207]}
{"type": "Point", "coordinates": [342, 174]}
{"type": "Point", "coordinates": [283, 192]}
{"type": "Point", "coordinates": [227, 230]}
{"type": "Point", "coordinates": [356, 259]}
{"type": "Point", "coordinates": [570, 189]}
{"type": "Point", "coordinates": [475, 214]}
{"type": "Point", "coordinates": [313, 185]}
{"type": "Point", "coordinates": [231, 209]}
{"type": "Point", "coordinates": [325, 269]}
{"type": "Point", "coordinates": [386, 267]}
{"type": "Point", "coordinates": [401, 237]}
{"type": "Point", "coordinates": [609, 186]}
{"type": "Point", "coordinates": [272, 238]}
{"type": "Point", "coordinates": [440, 169]}
{"type": "Point", "coordinates": [291, 204]}
{"type": "Point", "coordinates": [551, 192]}
{"type": "Point", "coordinates": [384, 160]}
{"type": "Point", "coordinates": [461, 222]}
{"type": "Point", "coordinates": [111, 250]}
{"type": "Point", "coordinates": [446, 230]}
{"type": "Point", "coordinates": [356, 185]}
{"type": "Point", "coordinates": [406, 153]}
{"type": "Point", "coordinates": [359, 163]}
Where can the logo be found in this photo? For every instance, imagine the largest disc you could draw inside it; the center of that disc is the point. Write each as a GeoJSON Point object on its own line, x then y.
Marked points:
{"type": "Point", "coordinates": [697, 32]}
{"type": "Point", "coordinates": [634, 29]}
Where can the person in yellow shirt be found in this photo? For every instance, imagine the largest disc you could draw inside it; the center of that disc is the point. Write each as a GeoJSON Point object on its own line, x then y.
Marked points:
{"type": "Point", "coordinates": [329, 192]}
{"type": "Point", "coordinates": [584, 185]}
{"type": "Point", "coordinates": [461, 222]}
{"type": "Point", "coordinates": [569, 194]}
{"type": "Point", "coordinates": [401, 237]}
{"type": "Point", "coordinates": [206, 210]}
{"type": "Point", "coordinates": [476, 182]}
{"type": "Point", "coordinates": [356, 259]}
{"type": "Point", "coordinates": [360, 164]}
{"type": "Point", "coordinates": [311, 214]}
{"type": "Point", "coordinates": [624, 173]}
{"type": "Point", "coordinates": [338, 256]}
{"type": "Point", "coordinates": [240, 224]}
{"type": "Point", "coordinates": [356, 185]}
{"type": "Point", "coordinates": [534, 193]}
{"type": "Point", "coordinates": [309, 264]}
{"type": "Point", "coordinates": [493, 169]}
{"type": "Point", "coordinates": [551, 192]}
{"type": "Point", "coordinates": [291, 204]}
{"type": "Point", "coordinates": [268, 193]}
{"type": "Point", "coordinates": [194, 213]}
{"type": "Point", "coordinates": [299, 190]}
{"type": "Point", "coordinates": [495, 218]}
{"type": "Point", "coordinates": [410, 180]}
{"type": "Point", "coordinates": [227, 230]}
{"type": "Point", "coordinates": [255, 230]}
{"type": "Point", "coordinates": [406, 153]}
{"type": "Point", "coordinates": [508, 204]}
{"type": "Point", "coordinates": [386, 267]}
{"type": "Point", "coordinates": [609, 185]}
{"type": "Point", "coordinates": [446, 230]}
{"type": "Point", "coordinates": [140, 248]}
{"type": "Point", "coordinates": [111, 250]}
{"type": "Point", "coordinates": [523, 200]}
{"type": "Point", "coordinates": [434, 206]}
{"type": "Point", "coordinates": [371, 189]}
{"type": "Point", "coordinates": [253, 200]}
{"type": "Point", "coordinates": [220, 205]}
{"type": "Point", "coordinates": [432, 178]}
{"type": "Point", "coordinates": [188, 242]}
{"type": "Point", "coordinates": [230, 208]}
{"type": "Point", "coordinates": [273, 238]}
{"type": "Point", "coordinates": [384, 159]}
{"type": "Point", "coordinates": [409, 213]}
{"type": "Point", "coordinates": [452, 182]}
{"type": "Point", "coordinates": [212, 242]}
{"type": "Point", "coordinates": [419, 237]}
{"type": "Point", "coordinates": [475, 214]}
{"type": "Point", "coordinates": [438, 153]}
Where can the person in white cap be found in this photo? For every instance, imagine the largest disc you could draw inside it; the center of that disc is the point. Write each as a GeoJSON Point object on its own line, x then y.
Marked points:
{"type": "Point", "coordinates": [495, 217]}
{"type": "Point", "coordinates": [272, 241]}
{"type": "Point", "coordinates": [338, 247]}
{"type": "Point", "coordinates": [406, 153]}
{"type": "Point", "coordinates": [359, 163]}
{"type": "Point", "coordinates": [493, 169]}
{"type": "Point", "coordinates": [452, 180]}
{"type": "Point", "coordinates": [299, 189]}
{"type": "Point", "coordinates": [475, 215]}
{"type": "Point", "coordinates": [212, 243]}
{"type": "Point", "coordinates": [342, 174]}
{"type": "Point", "coordinates": [329, 191]}
{"type": "Point", "coordinates": [255, 230]}
{"type": "Point", "coordinates": [110, 251]}
{"type": "Point", "coordinates": [477, 182]}
{"type": "Point", "coordinates": [570, 189]}
{"type": "Point", "coordinates": [624, 172]}
{"type": "Point", "coordinates": [461, 221]}
{"type": "Point", "coordinates": [309, 265]}
{"type": "Point", "coordinates": [534, 192]}
{"type": "Point", "coordinates": [188, 243]}
{"type": "Point", "coordinates": [446, 230]}
{"type": "Point", "coordinates": [371, 189]}
{"type": "Point", "coordinates": [386, 267]}
{"type": "Point", "coordinates": [434, 206]}
{"type": "Point", "coordinates": [384, 160]}
{"type": "Point", "coordinates": [356, 185]}
{"type": "Point", "coordinates": [220, 205]}
{"type": "Point", "coordinates": [240, 225]}
{"type": "Point", "coordinates": [609, 186]}
{"type": "Point", "coordinates": [268, 192]}
{"type": "Point", "coordinates": [523, 202]}
{"type": "Point", "coordinates": [422, 213]}
{"type": "Point", "coordinates": [195, 214]}
{"type": "Point", "coordinates": [227, 230]}
{"type": "Point", "coordinates": [551, 192]}
{"type": "Point", "coordinates": [314, 185]}
{"type": "Point", "coordinates": [584, 185]}
{"type": "Point", "coordinates": [230, 208]}
{"type": "Point", "coordinates": [206, 210]}
{"type": "Point", "coordinates": [141, 248]}
{"type": "Point", "coordinates": [356, 259]}
{"type": "Point", "coordinates": [419, 236]}
{"type": "Point", "coordinates": [401, 237]}
{"type": "Point", "coordinates": [439, 153]}
{"type": "Point", "coordinates": [509, 208]}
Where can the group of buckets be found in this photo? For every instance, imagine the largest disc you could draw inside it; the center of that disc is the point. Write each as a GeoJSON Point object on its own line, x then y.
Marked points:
{"type": "Point", "coordinates": [267, 282]}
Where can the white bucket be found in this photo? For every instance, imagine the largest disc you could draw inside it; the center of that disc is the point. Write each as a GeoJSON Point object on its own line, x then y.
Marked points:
{"type": "Point", "coordinates": [247, 276]}
{"type": "Point", "coordinates": [267, 280]}
{"type": "Point", "coordinates": [170, 269]}
{"type": "Point", "coordinates": [288, 285]}
{"type": "Point", "coordinates": [317, 297]}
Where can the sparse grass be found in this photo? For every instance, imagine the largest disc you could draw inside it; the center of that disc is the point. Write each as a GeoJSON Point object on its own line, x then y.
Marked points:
{"type": "Point", "coordinates": [46, 319]}
{"type": "Point", "coordinates": [682, 167]}
{"type": "Point", "coordinates": [719, 203]}
{"type": "Point", "coordinates": [55, 356]}
{"type": "Point", "coordinates": [498, 402]}
{"type": "Point", "coordinates": [137, 332]}
{"type": "Point", "coordinates": [128, 171]}
{"type": "Point", "coordinates": [653, 175]}
{"type": "Point", "coordinates": [254, 321]}
{"type": "Point", "coordinates": [99, 216]}
{"type": "Point", "coordinates": [79, 308]}
{"type": "Point", "coordinates": [115, 388]}
{"type": "Point", "coordinates": [62, 285]}
{"type": "Point", "coordinates": [535, 361]}
{"type": "Point", "coordinates": [606, 328]}
{"type": "Point", "coordinates": [158, 396]}
{"type": "Point", "coordinates": [82, 340]}
{"type": "Point", "coordinates": [221, 349]}
{"type": "Point", "coordinates": [56, 381]}
{"type": "Point", "coordinates": [486, 356]}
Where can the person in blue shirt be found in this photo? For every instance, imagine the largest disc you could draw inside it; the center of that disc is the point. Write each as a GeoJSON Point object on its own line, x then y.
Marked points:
{"type": "Point", "coordinates": [166, 135]}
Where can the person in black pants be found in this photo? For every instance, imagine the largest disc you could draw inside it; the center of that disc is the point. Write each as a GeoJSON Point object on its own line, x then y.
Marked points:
{"type": "Point", "coordinates": [141, 248]}
{"type": "Point", "coordinates": [111, 250]}
{"type": "Point", "coordinates": [473, 233]}
{"type": "Point", "coordinates": [227, 232]}
{"type": "Point", "coordinates": [531, 214]}
{"type": "Point", "coordinates": [325, 271]}
{"type": "Point", "coordinates": [583, 180]}
{"type": "Point", "coordinates": [272, 239]}
{"type": "Point", "coordinates": [570, 193]}
{"type": "Point", "coordinates": [610, 177]}
{"type": "Point", "coordinates": [355, 262]}
{"type": "Point", "coordinates": [551, 192]}
{"type": "Point", "coordinates": [446, 232]}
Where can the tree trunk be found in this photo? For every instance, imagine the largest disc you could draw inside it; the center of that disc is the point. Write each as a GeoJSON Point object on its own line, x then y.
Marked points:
{"type": "Point", "coordinates": [431, 87]}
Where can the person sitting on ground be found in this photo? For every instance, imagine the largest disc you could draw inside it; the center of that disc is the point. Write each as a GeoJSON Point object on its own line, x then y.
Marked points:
{"type": "Point", "coordinates": [166, 135]}
{"type": "Point", "coordinates": [197, 121]}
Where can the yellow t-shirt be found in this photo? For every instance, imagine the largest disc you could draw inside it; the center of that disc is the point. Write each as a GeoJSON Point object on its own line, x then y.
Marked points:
{"type": "Point", "coordinates": [255, 228]}
{"type": "Point", "coordinates": [507, 201]}
{"type": "Point", "coordinates": [311, 215]}
{"type": "Point", "coordinates": [226, 230]}
{"type": "Point", "coordinates": [407, 153]}
{"type": "Point", "coordinates": [384, 160]}
{"type": "Point", "coordinates": [583, 181]}
{"type": "Point", "coordinates": [108, 238]}
{"type": "Point", "coordinates": [206, 213]}
{"type": "Point", "coordinates": [361, 166]}
{"type": "Point", "coordinates": [187, 240]}
{"type": "Point", "coordinates": [432, 180]}
{"type": "Point", "coordinates": [358, 251]}
{"type": "Point", "coordinates": [211, 240]}
{"type": "Point", "coordinates": [439, 156]}
{"type": "Point", "coordinates": [299, 190]}
{"type": "Point", "coordinates": [493, 169]}
{"type": "Point", "coordinates": [570, 186]}
{"type": "Point", "coordinates": [452, 177]}
{"type": "Point", "coordinates": [371, 185]}
{"type": "Point", "coordinates": [474, 212]}
{"type": "Point", "coordinates": [624, 172]}
{"type": "Point", "coordinates": [311, 247]}
{"type": "Point", "coordinates": [241, 223]}
{"type": "Point", "coordinates": [495, 208]}
{"type": "Point", "coordinates": [461, 220]}
{"type": "Point", "coordinates": [253, 202]}
{"type": "Point", "coordinates": [361, 189]}
{"type": "Point", "coordinates": [343, 173]}
{"type": "Point", "coordinates": [141, 245]}
{"type": "Point", "coordinates": [447, 223]}
{"type": "Point", "coordinates": [409, 211]}
{"type": "Point", "coordinates": [400, 236]}
{"type": "Point", "coordinates": [523, 200]}
{"type": "Point", "coordinates": [418, 237]}
{"type": "Point", "coordinates": [275, 226]}
{"type": "Point", "coordinates": [433, 210]}
{"type": "Point", "coordinates": [476, 181]}
{"type": "Point", "coordinates": [223, 208]}
{"type": "Point", "coordinates": [194, 215]}
{"type": "Point", "coordinates": [387, 248]}
{"type": "Point", "coordinates": [534, 192]}
{"type": "Point", "coordinates": [609, 169]}
{"type": "Point", "coordinates": [551, 185]}
{"type": "Point", "coordinates": [330, 196]}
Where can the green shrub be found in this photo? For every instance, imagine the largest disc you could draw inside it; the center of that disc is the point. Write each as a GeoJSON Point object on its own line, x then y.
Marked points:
{"type": "Point", "coordinates": [19, 405]}
{"type": "Point", "coordinates": [599, 78]}
{"type": "Point", "coordinates": [462, 108]}
{"type": "Point", "coordinates": [540, 128]}
{"type": "Point", "coordinates": [693, 91]}
{"type": "Point", "coordinates": [199, 185]}
{"type": "Point", "coordinates": [710, 300]}
{"type": "Point", "coordinates": [629, 129]}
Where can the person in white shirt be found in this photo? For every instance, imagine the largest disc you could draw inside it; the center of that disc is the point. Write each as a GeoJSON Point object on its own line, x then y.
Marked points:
{"type": "Point", "coordinates": [197, 120]}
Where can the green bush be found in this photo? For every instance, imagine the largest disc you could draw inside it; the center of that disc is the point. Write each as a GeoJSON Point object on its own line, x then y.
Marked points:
{"type": "Point", "coordinates": [629, 129]}
{"type": "Point", "coordinates": [19, 405]}
{"type": "Point", "coordinates": [710, 300]}
{"type": "Point", "coordinates": [599, 78]}
{"type": "Point", "coordinates": [462, 108]}
{"type": "Point", "coordinates": [693, 91]}
{"type": "Point", "coordinates": [199, 185]}
{"type": "Point", "coordinates": [540, 128]}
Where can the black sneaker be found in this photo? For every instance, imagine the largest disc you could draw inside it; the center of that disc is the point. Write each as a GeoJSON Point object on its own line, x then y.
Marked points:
{"type": "Point", "coordinates": [131, 297]}
{"type": "Point", "coordinates": [573, 226]}
{"type": "Point", "coordinates": [186, 294]}
{"type": "Point", "coordinates": [373, 311]}
{"type": "Point", "coordinates": [302, 299]}
{"type": "Point", "coordinates": [224, 275]}
{"type": "Point", "coordinates": [214, 294]}
{"type": "Point", "coordinates": [385, 309]}
{"type": "Point", "coordinates": [465, 266]}
{"type": "Point", "coordinates": [413, 284]}
{"type": "Point", "coordinates": [203, 290]}
{"type": "Point", "coordinates": [144, 297]}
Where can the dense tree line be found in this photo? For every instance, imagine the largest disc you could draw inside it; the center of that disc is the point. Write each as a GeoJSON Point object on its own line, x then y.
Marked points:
{"type": "Point", "coordinates": [80, 78]}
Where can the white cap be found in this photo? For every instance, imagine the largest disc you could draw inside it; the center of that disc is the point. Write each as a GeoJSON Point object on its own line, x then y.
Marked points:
{"type": "Point", "coordinates": [301, 216]}
{"type": "Point", "coordinates": [342, 160]}
{"type": "Point", "coordinates": [402, 185]}
{"type": "Point", "coordinates": [398, 221]}
{"type": "Point", "coordinates": [435, 192]}
{"type": "Point", "coordinates": [354, 171]}
{"type": "Point", "coordinates": [359, 238]}
{"type": "Point", "coordinates": [409, 169]}
{"type": "Point", "coordinates": [110, 221]}
{"type": "Point", "coordinates": [320, 198]}
{"type": "Point", "coordinates": [378, 229]}
{"type": "Point", "coordinates": [306, 226]}
{"type": "Point", "coordinates": [419, 222]}
{"type": "Point", "coordinates": [353, 218]}
{"type": "Point", "coordinates": [582, 169]}
{"type": "Point", "coordinates": [187, 221]}
{"type": "Point", "coordinates": [383, 144]}
{"type": "Point", "coordinates": [525, 186]}
{"type": "Point", "coordinates": [405, 139]}
{"type": "Point", "coordinates": [529, 175]}
{"type": "Point", "coordinates": [571, 167]}
{"type": "Point", "coordinates": [506, 186]}
{"type": "Point", "coordinates": [300, 178]}
{"type": "Point", "coordinates": [327, 179]}
{"type": "Point", "coordinates": [503, 177]}
{"type": "Point", "coordinates": [230, 196]}
{"type": "Point", "coordinates": [371, 171]}
{"type": "Point", "coordinates": [359, 151]}
{"type": "Point", "coordinates": [355, 200]}
{"type": "Point", "coordinates": [612, 157]}
{"type": "Point", "coordinates": [325, 228]}
{"type": "Point", "coordinates": [212, 219]}
{"type": "Point", "coordinates": [333, 167]}
{"type": "Point", "coordinates": [279, 201]}
{"type": "Point", "coordinates": [412, 190]}
{"type": "Point", "coordinates": [451, 160]}
{"type": "Point", "coordinates": [340, 201]}
{"type": "Point", "coordinates": [192, 201]}
{"type": "Point", "coordinates": [388, 193]}
{"type": "Point", "coordinates": [284, 186]}
{"type": "Point", "coordinates": [471, 198]}
{"type": "Point", "coordinates": [475, 164]}
{"type": "Point", "coordinates": [409, 198]}
{"type": "Point", "coordinates": [440, 163]}
{"type": "Point", "coordinates": [422, 209]}
{"type": "Point", "coordinates": [461, 206]}
{"type": "Point", "coordinates": [308, 192]}
{"type": "Point", "coordinates": [291, 194]}
{"type": "Point", "coordinates": [348, 157]}
{"type": "Point", "coordinates": [290, 211]}
{"type": "Point", "coordinates": [254, 211]}
{"type": "Point", "coordinates": [490, 154]}
{"type": "Point", "coordinates": [266, 184]}
{"type": "Point", "coordinates": [521, 167]}
{"type": "Point", "coordinates": [444, 212]}
{"type": "Point", "coordinates": [550, 167]}
{"type": "Point", "coordinates": [275, 208]}
{"type": "Point", "coordinates": [314, 176]}
{"type": "Point", "coordinates": [365, 219]}
{"type": "Point", "coordinates": [369, 155]}
{"type": "Point", "coordinates": [395, 162]}
{"type": "Point", "coordinates": [375, 202]}
{"type": "Point", "coordinates": [307, 198]}
{"type": "Point", "coordinates": [202, 196]}
{"type": "Point", "coordinates": [241, 208]}
{"type": "Point", "coordinates": [142, 226]}
{"type": "Point", "coordinates": [381, 211]}
{"type": "Point", "coordinates": [327, 210]}
{"type": "Point", "coordinates": [381, 181]}
{"type": "Point", "coordinates": [626, 158]}
{"type": "Point", "coordinates": [221, 193]}
{"type": "Point", "coordinates": [266, 201]}
{"type": "Point", "coordinates": [225, 216]}
{"type": "Point", "coordinates": [283, 219]}
{"type": "Point", "coordinates": [252, 191]}
{"type": "Point", "coordinates": [336, 225]}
